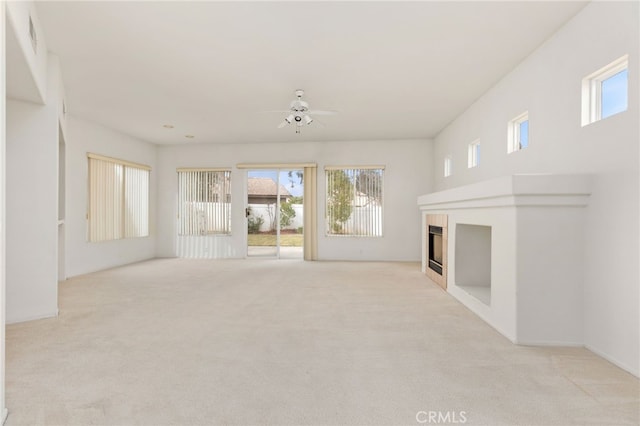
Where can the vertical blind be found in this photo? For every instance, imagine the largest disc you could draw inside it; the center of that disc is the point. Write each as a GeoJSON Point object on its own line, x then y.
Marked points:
{"type": "Point", "coordinates": [354, 201]}
{"type": "Point", "coordinates": [136, 193]}
{"type": "Point", "coordinates": [118, 199]}
{"type": "Point", "coordinates": [204, 201]}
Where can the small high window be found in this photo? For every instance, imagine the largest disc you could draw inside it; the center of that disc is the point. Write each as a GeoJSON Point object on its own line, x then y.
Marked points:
{"type": "Point", "coordinates": [518, 133]}
{"type": "Point", "coordinates": [447, 166]}
{"type": "Point", "coordinates": [605, 92]}
{"type": "Point", "coordinates": [474, 154]}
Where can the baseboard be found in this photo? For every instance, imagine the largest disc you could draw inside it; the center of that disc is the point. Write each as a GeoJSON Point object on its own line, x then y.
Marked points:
{"type": "Point", "coordinates": [614, 361]}
{"type": "Point", "coordinates": [550, 343]}
{"type": "Point", "coordinates": [32, 318]}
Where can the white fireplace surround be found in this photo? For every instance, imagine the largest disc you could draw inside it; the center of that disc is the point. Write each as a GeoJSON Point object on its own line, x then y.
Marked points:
{"type": "Point", "coordinates": [534, 227]}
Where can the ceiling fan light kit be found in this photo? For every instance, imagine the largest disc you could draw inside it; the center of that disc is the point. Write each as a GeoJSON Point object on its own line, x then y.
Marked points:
{"type": "Point", "coordinates": [299, 112]}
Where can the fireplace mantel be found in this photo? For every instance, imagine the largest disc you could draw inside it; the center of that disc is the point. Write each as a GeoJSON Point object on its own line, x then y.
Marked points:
{"type": "Point", "coordinates": [519, 261]}
{"type": "Point", "coordinates": [515, 190]}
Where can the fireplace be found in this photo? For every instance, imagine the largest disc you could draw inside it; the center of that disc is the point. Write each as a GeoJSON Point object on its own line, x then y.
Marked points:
{"type": "Point", "coordinates": [435, 248]}
{"type": "Point", "coordinates": [434, 254]}
{"type": "Point", "coordinates": [493, 257]}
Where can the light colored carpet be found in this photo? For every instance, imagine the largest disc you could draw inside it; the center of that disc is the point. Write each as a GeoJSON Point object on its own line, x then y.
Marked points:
{"type": "Point", "coordinates": [199, 342]}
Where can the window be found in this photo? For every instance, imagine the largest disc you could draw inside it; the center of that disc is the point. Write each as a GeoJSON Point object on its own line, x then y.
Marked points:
{"type": "Point", "coordinates": [354, 201]}
{"type": "Point", "coordinates": [118, 199]}
{"type": "Point", "coordinates": [447, 166]}
{"type": "Point", "coordinates": [518, 133]}
{"type": "Point", "coordinates": [474, 154]}
{"type": "Point", "coordinates": [605, 92]}
{"type": "Point", "coordinates": [204, 201]}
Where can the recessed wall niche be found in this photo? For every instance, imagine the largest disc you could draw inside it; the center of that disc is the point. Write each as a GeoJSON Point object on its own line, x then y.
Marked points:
{"type": "Point", "coordinates": [473, 260]}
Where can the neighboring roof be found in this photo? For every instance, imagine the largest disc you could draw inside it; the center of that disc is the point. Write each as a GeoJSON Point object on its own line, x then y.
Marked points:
{"type": "Point", "coordinates": [265, 187]}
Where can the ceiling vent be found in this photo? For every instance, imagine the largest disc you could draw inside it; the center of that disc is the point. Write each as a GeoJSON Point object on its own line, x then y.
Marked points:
{"type": "Point", "coordinates": [33, 35]}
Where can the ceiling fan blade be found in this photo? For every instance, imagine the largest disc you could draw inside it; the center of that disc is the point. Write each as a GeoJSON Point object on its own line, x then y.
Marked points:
{"type": "Point", "coordinates": [284, 123]}
{"type": "Point", "coordinates": [318, 123]}
{"type": "Point", "coordinates": [320, 112]}
{"type": "Point", "coordinates": [280, 111]}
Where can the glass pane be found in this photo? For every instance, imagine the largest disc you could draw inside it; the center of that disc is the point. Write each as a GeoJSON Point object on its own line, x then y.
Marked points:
{"type": "Point", "coordinates": [262, 219]}
{"type": "Point", "coordinates": [524, 134]}
{"type": "Point", "coordinates": [614, 94]}
{"type": "Point", "coordinates": [291, 214]}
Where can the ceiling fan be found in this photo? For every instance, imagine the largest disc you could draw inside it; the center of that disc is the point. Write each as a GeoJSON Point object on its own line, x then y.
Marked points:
{"type": "Point", "coordinates": [299, 113]}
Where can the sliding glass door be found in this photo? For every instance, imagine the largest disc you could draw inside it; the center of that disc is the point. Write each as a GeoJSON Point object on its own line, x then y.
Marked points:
{"type": "Point", "coordinates": [274, 213]}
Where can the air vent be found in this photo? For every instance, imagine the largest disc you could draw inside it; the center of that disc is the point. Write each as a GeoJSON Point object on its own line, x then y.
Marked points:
{"type": "Point", "coordinates": [33, 35]}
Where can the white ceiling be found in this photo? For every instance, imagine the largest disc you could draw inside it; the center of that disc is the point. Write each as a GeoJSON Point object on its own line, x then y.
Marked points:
{"type": "Point", "coordinates": [394, 70]}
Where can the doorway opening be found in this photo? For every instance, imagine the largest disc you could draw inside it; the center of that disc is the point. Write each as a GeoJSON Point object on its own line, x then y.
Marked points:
{"type": "Point", "coordinates": [275, 214]}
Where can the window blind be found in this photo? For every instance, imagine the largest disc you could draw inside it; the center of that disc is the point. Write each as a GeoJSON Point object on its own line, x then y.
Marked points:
{"type": "Point", "coordinates": [354, 201]}
{"type": "Point", "coordinates": [204, 201]}
{"type": "Point", "coordinates": [118, 199]}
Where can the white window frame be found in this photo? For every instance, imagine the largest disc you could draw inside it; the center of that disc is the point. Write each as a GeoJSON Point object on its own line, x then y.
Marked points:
{"type": "Point", "coordinates": [473, 154]}
{"type": "Point", "coordinates": [513, 132]}
{"type": "Point", "coordinates": [448, 166]}
{"type": "Point", "coordinates": [364, 223]}
{"type": "Point", "coordinates": [118, 199]}
{"type": "Point", "coordinates": [592, 89]}
{"type": "Point", "coordinates": [204, 213]}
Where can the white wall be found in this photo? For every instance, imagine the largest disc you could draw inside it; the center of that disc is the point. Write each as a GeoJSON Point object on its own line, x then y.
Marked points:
{"type": "Point", "coordinates": [406, 177]}
{"type": "Point", "coordinates": [32, 204]}
{"type": "Point", "coordinates": [3, 94]}
{"type": "Point", "coordinates": [548, 85]}
{"type": "Point", "coordinates": [34, 68]}
{"type": "Point", "coordinates": [81, 256]}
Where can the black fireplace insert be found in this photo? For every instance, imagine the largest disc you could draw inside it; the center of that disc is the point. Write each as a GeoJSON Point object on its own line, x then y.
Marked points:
{"type": "Point", "coordinates": [435, 248]}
